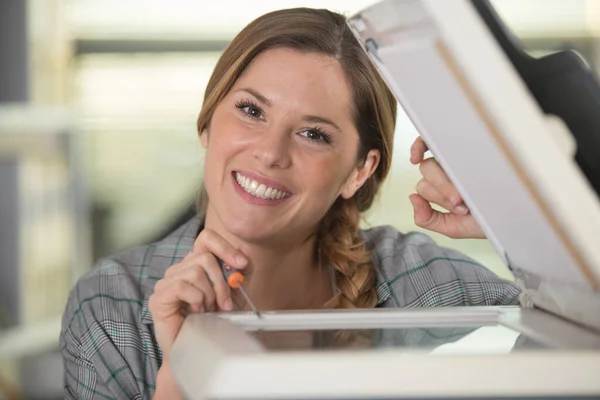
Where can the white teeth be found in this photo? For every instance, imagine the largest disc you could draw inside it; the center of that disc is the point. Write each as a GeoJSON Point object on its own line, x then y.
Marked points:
{"type": "Point", "coordinates": [259, 189]}
{"type": "Point", "coordinates": [260, 192]}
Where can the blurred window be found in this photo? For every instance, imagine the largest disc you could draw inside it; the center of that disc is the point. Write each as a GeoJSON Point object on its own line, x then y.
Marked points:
{"type": "Point", "coordinates": [140, 74]}
{"type": "Point", "coordinates": [138, 113]}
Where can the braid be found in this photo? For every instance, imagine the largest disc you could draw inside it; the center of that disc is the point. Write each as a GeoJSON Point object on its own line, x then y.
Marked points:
{"type": "Point", "coordinates": [342, 249]}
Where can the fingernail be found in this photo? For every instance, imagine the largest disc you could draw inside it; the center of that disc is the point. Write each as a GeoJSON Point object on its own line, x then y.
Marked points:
{"type": "Point", "coordinates": [228, 305]}
{"type": "Point", "coordinates": [462, 209]}
{"type": "Point", "coordinates": [411, 198]}
{"type": "Point", "coordinates": [241, 260]}
{"type": "Point", "coordinates": [455, 199]}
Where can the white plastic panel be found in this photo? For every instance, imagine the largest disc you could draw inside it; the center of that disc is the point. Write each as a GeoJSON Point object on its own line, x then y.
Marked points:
{"type": "Point", "coordinates": [221, 356]}
{"type": "Point", "coordinates": [488, 133]}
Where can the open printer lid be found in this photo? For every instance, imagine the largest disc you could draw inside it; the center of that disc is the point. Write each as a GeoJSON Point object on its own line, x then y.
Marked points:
{"type": "Point", "coordinates": [490, 115]}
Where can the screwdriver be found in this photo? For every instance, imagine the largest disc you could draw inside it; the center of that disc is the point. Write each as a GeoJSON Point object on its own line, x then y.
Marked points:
{"type": "Point", "coordinates": [235, 280]}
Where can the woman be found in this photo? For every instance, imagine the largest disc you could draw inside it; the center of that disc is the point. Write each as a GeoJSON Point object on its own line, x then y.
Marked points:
{"type": "Point", "coordinates": [298, 128]}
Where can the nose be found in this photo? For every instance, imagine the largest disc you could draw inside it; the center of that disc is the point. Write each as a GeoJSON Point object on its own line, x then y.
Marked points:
{"type": "Point", "coordinates": [272, 148]}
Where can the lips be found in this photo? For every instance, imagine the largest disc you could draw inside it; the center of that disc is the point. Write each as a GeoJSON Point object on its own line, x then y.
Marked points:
{"type": "Point", "coordinates": [260, 188]}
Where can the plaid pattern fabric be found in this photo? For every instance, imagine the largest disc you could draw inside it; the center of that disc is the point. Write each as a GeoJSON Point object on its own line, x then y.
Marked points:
{"type": "Point", "coordinates": [107, 338]}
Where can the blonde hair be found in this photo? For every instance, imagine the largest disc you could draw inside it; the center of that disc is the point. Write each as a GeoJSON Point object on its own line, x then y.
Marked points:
{"type": "Point", "coordinates": [374, 113]}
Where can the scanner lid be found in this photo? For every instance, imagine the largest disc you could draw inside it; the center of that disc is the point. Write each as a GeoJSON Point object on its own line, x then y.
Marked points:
{"type": "Point", "coordinates": [512, 163]}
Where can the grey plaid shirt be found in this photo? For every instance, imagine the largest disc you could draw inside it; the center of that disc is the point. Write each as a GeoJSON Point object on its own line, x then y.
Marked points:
{"type": "Point", "coordinates": [107, 338]}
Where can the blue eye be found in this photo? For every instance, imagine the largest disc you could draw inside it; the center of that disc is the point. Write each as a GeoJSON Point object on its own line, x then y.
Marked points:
{"type": "Point", "coordinates": [249, 109]}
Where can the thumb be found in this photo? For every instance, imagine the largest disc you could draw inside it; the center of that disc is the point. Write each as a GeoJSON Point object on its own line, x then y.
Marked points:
{"type": "Point", "coordinates": [427, 218]}
{"type": "Point", "coordinates": [424, 215]}
{"type": "Point", "coordinates": [451, 225]}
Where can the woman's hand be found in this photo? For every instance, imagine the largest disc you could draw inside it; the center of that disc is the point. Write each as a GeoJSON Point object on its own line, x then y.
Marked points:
{"type": "Point", "coordinates": [436, 188]}
{"type": "Point", "coordinates": [196, 284]}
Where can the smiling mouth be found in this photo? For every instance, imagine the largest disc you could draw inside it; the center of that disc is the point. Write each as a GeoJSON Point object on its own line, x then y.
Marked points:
{"type": "Point", "coordinates": [259, 190]}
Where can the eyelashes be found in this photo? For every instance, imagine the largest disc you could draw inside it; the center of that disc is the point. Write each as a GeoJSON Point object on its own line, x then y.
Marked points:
{"type": "Point", "coordinates": [250, 110]}
{"type": "Point", "coordinates": [317, 134]}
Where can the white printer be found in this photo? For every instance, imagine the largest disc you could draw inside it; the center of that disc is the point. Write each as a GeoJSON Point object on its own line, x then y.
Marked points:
{"type": "Point", "coordinates": [533, 125]}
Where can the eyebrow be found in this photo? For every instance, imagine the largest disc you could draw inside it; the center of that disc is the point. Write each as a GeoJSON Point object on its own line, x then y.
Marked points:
{"type": "Point", "coordinates": [307, 118]}
{"type": "Point", "coordinates": [322, 120]}
{"type": "Point", "coordinates": [259, 96]}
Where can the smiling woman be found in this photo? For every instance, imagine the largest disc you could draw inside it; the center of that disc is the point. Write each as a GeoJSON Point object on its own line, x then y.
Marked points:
{"type": "Point", "coordinates": [298, 130]}
{"type": "Point", "coordinates": [286, 120]}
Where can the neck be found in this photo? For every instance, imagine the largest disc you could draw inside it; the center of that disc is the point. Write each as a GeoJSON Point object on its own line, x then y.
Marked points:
{"type": "Point", "coordinates": [282, 273]}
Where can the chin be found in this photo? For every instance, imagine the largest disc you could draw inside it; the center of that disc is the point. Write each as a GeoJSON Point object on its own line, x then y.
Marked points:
{"type": "Point", "coordinates": [247, 228]}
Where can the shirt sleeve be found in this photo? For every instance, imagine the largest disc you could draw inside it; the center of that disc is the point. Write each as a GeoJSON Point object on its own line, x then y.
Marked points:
{"type": "Point", "coordinates": [81, 380]}
{"type": "Point", "coordinates": [104, 349]}
{"type": "Point", "coordinates": [480, 285]}
{"type": "Point", "coordinates": [414, 271]}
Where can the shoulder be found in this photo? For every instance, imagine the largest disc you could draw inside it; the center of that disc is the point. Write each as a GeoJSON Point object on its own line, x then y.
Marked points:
{"type": "Point", "coordinates": [414, 271]}
{"type": "Point", "coordinates": [125, 280]}
{"type": "Point", "coordinates": [386, 240]}
{"type": "Point", "coordinates": [106, 327]}
{"type": "Point", "coordinates": [122, 282]}
{"type": "Point", "coordinates": [104, 345]}
{"type": "Point", "coordinates": [117, 283]}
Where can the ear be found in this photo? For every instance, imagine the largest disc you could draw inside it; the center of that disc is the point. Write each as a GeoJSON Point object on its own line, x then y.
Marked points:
{"type": "Point", "coordinates": [361, 173]}
{"type": "Point", "coordinates": [204, 138]}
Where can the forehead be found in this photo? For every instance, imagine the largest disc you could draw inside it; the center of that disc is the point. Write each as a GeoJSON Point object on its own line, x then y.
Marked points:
{"type": "Point", "coordinates": [295, 78]}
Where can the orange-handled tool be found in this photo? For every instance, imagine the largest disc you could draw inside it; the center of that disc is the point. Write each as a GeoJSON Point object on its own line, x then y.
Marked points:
{"type": "Point", "coordinates": [236, 280]}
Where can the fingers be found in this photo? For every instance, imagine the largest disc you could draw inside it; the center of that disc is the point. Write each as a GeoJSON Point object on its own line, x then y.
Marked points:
{"type": "Point", "coordinates": [196, 284]}
{"type": "Point", "coordinates": [196, 276]}
{"type": "Point", "coordinates": [212, 242]}
{"type": "Point", "coordinates": [452, 225]}
{"type": "Point", "coordinates": [169, 295]}
{"type": "Point", "coordinates": [418, 150]}
{"type": "Point", "coordinates": [433, 173]}
{"type": "Point", "coordinates": [170, 302]}
{"type": "Point", "coordinates": [429, 193]}
{"type": "Point", "coordinates": [221, 289]}
{"type": "Point", "coordinates": [424, 215]}
{"type": "Point", "coordinates": [207, 247]}
{"type": "Point", "coordinates": [437, 189]}
{"type": "Point", "coordinates": [204, 272]}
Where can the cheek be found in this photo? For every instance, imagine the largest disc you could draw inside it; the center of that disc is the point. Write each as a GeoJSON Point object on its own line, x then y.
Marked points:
{"type": "Point", "coordinates": [226, 137]}
{"type": "Point", "coordinates": [325, 175]}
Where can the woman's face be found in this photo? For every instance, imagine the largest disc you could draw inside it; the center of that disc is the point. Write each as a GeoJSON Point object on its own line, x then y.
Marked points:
{"type": "Point", "coordinates": [282, 146]}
